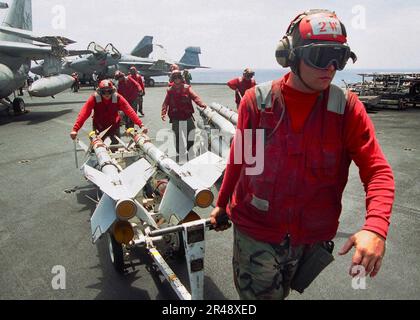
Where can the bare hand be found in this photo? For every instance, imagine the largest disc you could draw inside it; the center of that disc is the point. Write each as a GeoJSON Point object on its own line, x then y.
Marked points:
{"type": "Point", "coordinates": [370, 250]}
{"type": "Point", "coordinates": [73, 135]}
{"type": "Point", "coordinates": [216, 213]}
{"type": "Point", "coordinates": [144, 129]}
{"type": "Point", "coordinates": [163, 116]}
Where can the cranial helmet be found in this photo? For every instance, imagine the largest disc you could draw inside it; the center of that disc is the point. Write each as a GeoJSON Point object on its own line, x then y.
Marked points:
{"type": "Point", "coordinates": [249, 72]}
{"type": "Point", "coordinates": [176, 74]}
{"type": "Point", "coordinates": [173, 67]}
{"type": "Point", "coordinates": [318, 37]}
{"type": "Point", "coordinates": [105, 85]}
{"type": "Point", "coordinates": [118, 75]}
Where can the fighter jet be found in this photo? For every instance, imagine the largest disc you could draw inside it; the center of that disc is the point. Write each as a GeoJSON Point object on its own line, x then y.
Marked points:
{"type": "Point", "coordinates": [17, 50]}
{"type": "Point", "coordinates": [108, 60]}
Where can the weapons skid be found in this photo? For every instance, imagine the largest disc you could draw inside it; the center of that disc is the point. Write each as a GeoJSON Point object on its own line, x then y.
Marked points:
{"type": "Point", "coordinates": [187, 188]}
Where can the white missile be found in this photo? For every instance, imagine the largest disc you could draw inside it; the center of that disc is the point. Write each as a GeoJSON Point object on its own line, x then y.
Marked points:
{"type": "Point", "coordinates": [50, 86]}
{"type": "Point", "coordinates": [220, 131]}
{"type": "Point", "coordinates": [120, 189]}
{"type": "Point", "coordinates": [227, 113]}
{"type": "Point", "coordinates": [189, 185]}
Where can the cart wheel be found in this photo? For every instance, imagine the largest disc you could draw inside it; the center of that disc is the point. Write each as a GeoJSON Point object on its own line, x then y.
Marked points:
{"type": "Point", "coordinates": [116, 253]}
{"type": "Point", "coordinates": [19, 106]}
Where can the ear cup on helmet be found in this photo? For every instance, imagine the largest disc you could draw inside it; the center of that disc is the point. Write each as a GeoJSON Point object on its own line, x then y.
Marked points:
{"type": "Point", "coordinates": [283, 51]}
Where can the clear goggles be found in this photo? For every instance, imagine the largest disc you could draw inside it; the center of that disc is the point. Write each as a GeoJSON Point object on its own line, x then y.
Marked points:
{"type": "Point", "coordinates": [323, 55]}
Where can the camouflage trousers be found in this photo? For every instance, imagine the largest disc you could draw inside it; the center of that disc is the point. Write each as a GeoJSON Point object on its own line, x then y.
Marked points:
{"type": "Point", "coordinates": [263, 271]}
{"type": "Point", "coordinates": [128, 122]}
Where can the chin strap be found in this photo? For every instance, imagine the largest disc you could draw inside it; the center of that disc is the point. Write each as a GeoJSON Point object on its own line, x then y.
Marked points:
{"type": "Point", "coordinates": [297, 72]}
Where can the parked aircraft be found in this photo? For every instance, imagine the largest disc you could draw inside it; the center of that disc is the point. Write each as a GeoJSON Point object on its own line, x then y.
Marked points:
{"type": "Point", "coordinates": [17, 50]}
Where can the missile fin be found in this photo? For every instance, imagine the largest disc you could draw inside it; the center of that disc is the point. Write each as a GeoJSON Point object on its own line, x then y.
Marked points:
{"type": "Point", "coordinates": [203, 170]}
{"type": "Point", "coordinates": [174, 201]}
{"type": "Point", "coordinates": [103, 217]}
{"type": "Point", "coordinates": [135, 176]}
{"type": "Point", "coordinates": [103, 182]}
{"type": "Point", "coordinates": [144, 215]}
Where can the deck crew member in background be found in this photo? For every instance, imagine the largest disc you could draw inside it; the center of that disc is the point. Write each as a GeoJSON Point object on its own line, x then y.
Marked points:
{"type": "Point", "coordinates": [95, 79]}
{"type": "Point", "coordinates": [106, 104]}
{"type": "Point", "coordinates": [135, 75]}
{"type": "Point", "coordinates": [286, 213]}
{"type": "Point", "coordinates": [241, 84]}
{"type": "Point", "coordinates": [187, 76]}
{"type": "Point", "coordinates": [130, 90]}
{"type": "Point", "coordinates": [178, 105]}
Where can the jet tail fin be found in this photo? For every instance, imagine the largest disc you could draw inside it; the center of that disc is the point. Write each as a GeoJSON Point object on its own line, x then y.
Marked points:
{"type": "Point", "coordinates": [19, 16]}
{"type": "Point", "coordinates": [144, 48]}
{"type": "Point", "coordinates": [190, 57]}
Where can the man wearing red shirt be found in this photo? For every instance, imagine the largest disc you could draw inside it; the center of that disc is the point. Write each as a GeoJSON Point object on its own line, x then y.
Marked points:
{"type": "Point", "coordinates": [241, 84]}
{"type": "Point", "coordinates": [305, 133]}
{"type": "Point", "coordinates": [106, 104]}
{"type": "Point", "coordinates": [178, 106]}
{"type": "Point", "coordinates": [134, 74]}
{"type": "Point", "coordinates": [129, 89]}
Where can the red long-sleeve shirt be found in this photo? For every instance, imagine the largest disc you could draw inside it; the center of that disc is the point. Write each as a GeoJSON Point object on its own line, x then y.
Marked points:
{"type": "Point", "coordinates": [193, 96]}
{"type": "Point", "coordinates": [105, 113]}
{"type": "Point", "coordinates": [138, 79]}
{"type": "Point", "coordinates": [360, 142]}
{"type": "Point", "coordinates": [240, 84]}
{"type": "Point", "coordinates": [129, 89]}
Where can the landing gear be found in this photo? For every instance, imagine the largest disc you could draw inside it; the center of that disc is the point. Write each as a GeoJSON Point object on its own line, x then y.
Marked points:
{"type": "Point", "coordinates": [150, 82]}
{"type": "Point", "coordinates": [18, 106]}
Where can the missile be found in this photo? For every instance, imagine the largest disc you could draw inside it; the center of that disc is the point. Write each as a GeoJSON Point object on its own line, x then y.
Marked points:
{"type": "Point", "coordinates": [189, 185]}
{"type": "Point", "coordinates": [118, 204]}
{"type": "Point", "coordinates": [227, 113]}
{"type": "Point", "coordinates": [220, 131]}
{"type": "Point", "coordinates": [50, 86]}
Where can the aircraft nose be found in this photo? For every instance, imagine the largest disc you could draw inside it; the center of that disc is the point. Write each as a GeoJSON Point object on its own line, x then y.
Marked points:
{"type": "Point", "coordinates": [78, 65]}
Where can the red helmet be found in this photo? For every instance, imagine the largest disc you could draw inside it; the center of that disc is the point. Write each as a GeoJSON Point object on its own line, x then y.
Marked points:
{"type": "Point", "coordinates": [176, 74]}
{"type": "Point", "coordinates": [318, 37]}
{"type": "Point", "coordinates": [133, 68]}
{"type": "Point", "coordinates": [105, 86]}
{"type": "Point", "coordinates": [118, 75]}
{"type": "Point", "coordinates": [173, 67]}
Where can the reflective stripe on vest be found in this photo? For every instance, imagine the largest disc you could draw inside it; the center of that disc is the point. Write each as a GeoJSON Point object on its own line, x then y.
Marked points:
{"type": "Point", "coordinates": [337, 98]}
{"type": "Point", "coordinates": [263, 95]}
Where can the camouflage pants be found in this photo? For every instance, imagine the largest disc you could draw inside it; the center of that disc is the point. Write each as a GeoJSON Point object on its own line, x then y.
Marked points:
{"type": "Point", "coordinates": [263, 271]}
{"type": "Point", "coordinates": [128, 122]}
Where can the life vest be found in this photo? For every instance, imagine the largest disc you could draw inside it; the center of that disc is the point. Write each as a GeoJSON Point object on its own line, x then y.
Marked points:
{"type": "Point", "coordinates": [106, 115]}
{"type": "Point", "coordinates": [300, 188]}
{"type": "Point", "coordinates": [180, 104]}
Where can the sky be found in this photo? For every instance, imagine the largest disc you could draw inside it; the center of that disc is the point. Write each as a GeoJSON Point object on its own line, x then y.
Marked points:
{"type": "Point", "coordinates": [233, 34]}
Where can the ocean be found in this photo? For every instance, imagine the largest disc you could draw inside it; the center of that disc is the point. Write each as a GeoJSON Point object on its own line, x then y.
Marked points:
{"type": "Point", "coordinates": [216, 76]}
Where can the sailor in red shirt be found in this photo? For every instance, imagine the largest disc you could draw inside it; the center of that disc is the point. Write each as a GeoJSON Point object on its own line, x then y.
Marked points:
{"type": "Point", "coordinates": [135, 75]}
{"type": "Point", "coordinates": [285, 206]}
{"type": "Point", "coordinates": [129, 89]}
{"type": "Point", "coordinates": [241, 84]}
{"type": "Point", "coordinates": [178, 105]}
{"type": "Point", "coordinates": [106, 104]}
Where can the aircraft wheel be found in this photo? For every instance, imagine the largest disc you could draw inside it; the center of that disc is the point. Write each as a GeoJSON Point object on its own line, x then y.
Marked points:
{"type": "Point", "coordinates": [116, 253]}
{"type": "Point", "coordinates": [151, 82]}
{"type": "Point", "coordinates": [19, 106]}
